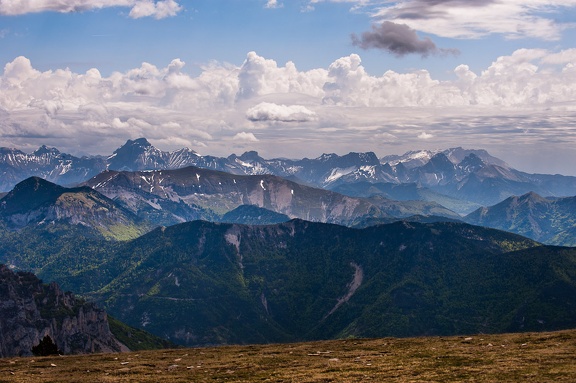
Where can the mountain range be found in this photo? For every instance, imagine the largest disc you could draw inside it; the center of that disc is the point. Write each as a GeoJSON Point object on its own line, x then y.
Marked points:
{"type": "Point", "coordinates": [200, 282]}
{"type": "Point", "coordinates": [172, 196]}
{"type": "Point", "coordinates": [460, 179]}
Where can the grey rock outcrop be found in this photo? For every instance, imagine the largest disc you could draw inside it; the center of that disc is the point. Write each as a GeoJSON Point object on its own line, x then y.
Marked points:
{"type": "Point", "coordinates": [30, 310]}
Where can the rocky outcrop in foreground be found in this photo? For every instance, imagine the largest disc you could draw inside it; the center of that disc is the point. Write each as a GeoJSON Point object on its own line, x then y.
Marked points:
{"type": "Point", "coordinates": [31, 310]}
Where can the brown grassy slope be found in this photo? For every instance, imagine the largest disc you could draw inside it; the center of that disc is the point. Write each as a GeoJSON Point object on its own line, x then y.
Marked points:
{"type": "Point", "coordinates": [529, 357]}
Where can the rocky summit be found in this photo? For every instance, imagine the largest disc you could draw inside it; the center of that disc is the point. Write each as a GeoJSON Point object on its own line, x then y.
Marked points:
{"type": "Point", "coordinates": [31, 310]}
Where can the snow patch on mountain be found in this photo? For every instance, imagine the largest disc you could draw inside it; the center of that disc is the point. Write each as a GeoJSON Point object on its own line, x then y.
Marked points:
{"type": "Point", "coordinates": [338, 173]}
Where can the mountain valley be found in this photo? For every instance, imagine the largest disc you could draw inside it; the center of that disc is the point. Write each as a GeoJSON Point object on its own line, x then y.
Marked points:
{"type": "Point", "coordinates": [201, 250]}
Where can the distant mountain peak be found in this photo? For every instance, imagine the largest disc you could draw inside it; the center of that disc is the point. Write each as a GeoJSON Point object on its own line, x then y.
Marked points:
{"type": "Point", "coordinates": [43, 150]}
{"type": "Point", "coordinates": [250, 156]}
{"type": "Point", "coordinates": [532, 196]}
{"type": "Point", "coordinates": [440, 161]}
{"type": "Point", "coordinates": [327, 156]}
{"type": "Point", "coordinates": [29, 194]}
{"type": "Point", "coordinates": [37, 201]}
{"type": "Point", "coordinates": [137, 145]}
{"type": "Point", "coordinates": [138, 142]}
{"type": "Point", "coordinates": [36, 183]}
{"type": "Point", "coordinates": [471, 163]}
{"type": "Point", "coordinates": [138, 154]}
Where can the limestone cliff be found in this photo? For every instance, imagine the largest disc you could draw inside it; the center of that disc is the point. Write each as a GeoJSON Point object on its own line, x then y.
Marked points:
{"type": "Point", "coordinates": [30, 310]}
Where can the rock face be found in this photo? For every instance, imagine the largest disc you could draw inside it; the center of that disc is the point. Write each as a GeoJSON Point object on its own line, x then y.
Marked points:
{"type": "Point", "coordinates": [167, 197]}
{"type": "Point", "coordinates": [30, 310]}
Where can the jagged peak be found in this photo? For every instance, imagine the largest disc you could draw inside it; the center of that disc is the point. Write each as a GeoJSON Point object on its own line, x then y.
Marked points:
{"type": "Point", "coordinates": [440, 159]}
{"type": "Point", "coordinates": [251, 155]}
{"type": "Point", "coordinates": [369, 157]}
{"type": "Point", "coordinates": [45, 150]}
{"type": "Point", "coordinates": [6, 150]}
{"type": "Point", "coordinates": [327, 156]}
{"type": "Point", "coordinates": [441, 156]}
{"type": "Point", "coordinates": [185, 150]}
{"type": "Point", "coordinates": [472, 160]}
{"type": "Point", "coordinates": [138, 142]}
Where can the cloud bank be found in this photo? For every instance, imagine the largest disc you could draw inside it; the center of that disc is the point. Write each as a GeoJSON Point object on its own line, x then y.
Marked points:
{"type": "Point", "coordinates": [525, 78]}
{"type": "Point", "coordinates": [158, 9]}
{"type": "Point", "coordinates": [527, 97]}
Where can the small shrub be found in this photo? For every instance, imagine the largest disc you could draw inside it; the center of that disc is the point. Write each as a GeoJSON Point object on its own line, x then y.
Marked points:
{"type": "Point", "coordinates": [46, 347]}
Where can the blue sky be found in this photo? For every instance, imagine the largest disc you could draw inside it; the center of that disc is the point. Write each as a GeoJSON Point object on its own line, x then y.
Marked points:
{"type": "Point", "coordinates": [293, 78]}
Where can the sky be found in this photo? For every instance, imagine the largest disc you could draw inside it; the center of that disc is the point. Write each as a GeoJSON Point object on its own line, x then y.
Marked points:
{"type": "Point", "coordinates": [293, 78]}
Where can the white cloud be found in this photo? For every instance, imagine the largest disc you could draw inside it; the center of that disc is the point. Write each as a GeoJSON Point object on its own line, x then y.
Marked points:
{"type": "Point", "coordinates": [561, 58]}
{"type": "Point", "coordinates": [266, 111]}
{"type": "Point", "coordinates": [139, 8]}
{"type": "Point", "coordinates": [271, 4]}
{"type": "Point", "coordinates": [245, 137]}
{"type": "Point", "coordinates": [259, 76]}
{"type": "Point", "coordinates": [472, 19]}
{"type": "Point", "coordinates": [218, 107]}
{"type": "Point", "coordinates": [158, 9]}
{"type": "Point", "coordinates": [386, 137]}
{"type": "Point", "coordinates": [525, 78]}
{"type": "Point", "coordinates": [425, 136]}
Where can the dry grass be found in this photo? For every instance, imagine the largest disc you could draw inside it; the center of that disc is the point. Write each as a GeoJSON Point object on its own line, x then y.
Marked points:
{"type": "Point", "coordinates": [530, 357]}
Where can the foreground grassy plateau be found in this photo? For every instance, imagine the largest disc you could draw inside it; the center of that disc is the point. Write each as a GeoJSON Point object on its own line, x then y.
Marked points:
{"type": "Point", "coordinates": [526, 357]}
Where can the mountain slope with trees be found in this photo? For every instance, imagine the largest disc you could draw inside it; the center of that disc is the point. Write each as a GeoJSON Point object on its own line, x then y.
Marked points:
{"type": "Point", "coordinates": [548, 220]}
{"type": "Point", "coordinates": [37, 202]}
{"type": "Point", "coordinates": [203, 283]}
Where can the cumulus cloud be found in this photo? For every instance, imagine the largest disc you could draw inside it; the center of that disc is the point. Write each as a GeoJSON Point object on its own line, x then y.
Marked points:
{"type": "Point", "coordinates": [266, 111]}
{"type": "Point", "coordinates": [139, 8]}
{"type": "Point", "coordinates": [219, 106]}
{"type": "Point", "coordinates": [245, 137]}
{"type": "Point", "coordinates": [526, 77]}
{"type": "Point", "coordinates": [258, 76]}
{"type": "Point", "coordinates": [398, 39]}
{"type": "Point", "coordinates": [425, 136]}
{"type": "Point", "coordinates": [158, 9]}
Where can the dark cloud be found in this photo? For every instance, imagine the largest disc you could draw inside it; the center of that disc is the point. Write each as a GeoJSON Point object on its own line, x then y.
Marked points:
{"type": "Point", "coordinates": [398, 39]}
{"type": "Point", "coordinates": [429, 9]}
